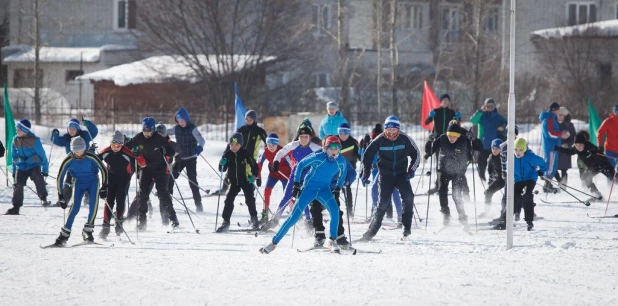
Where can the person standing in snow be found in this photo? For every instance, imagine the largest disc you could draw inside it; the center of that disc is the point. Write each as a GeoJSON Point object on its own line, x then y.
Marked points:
{"type": "Point", "coordinates": [440, 116]}
{"type": "Point", "coordinates": [307, 124]}
{"type": "Point", "coordinates": [568, 136]}
{"type": "Point", "coordinates": [455, 152]}
{"type": "Point", "coordinates": [29, 161]}
{"type": "Point", "coordinates": [350, 151]}
{"type": "Point", "coordinates": [393, 149]}
{"type": "Point", "coordinates": [191, 144]}
{"type": "Point", "coordinates": [120, 163]}
{"type": "Point", "coordinates": [321, 169]}
{"type": "Point", "coordinates": [152, 152]}
{"type": "Point", "coordinates": [551, 137]}
{"type": "Point", "coordinates": [331, 122]}
{"type": "Point", "coordinates": [84, 167]}
{"type": "Point", "coordinates": [281, 175]}
{"type": "Point", "coordinates": [494, 168]}
{"type": "Point", "coordinates": [490, 123]}
{"type": "Point", "coordinates": [608, 142]}
{"type": "Point", "coordinates": [241, 172]}
{"type": "Point", "coordinates": [595, 163]}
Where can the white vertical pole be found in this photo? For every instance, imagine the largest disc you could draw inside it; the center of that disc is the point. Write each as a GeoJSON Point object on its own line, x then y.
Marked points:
{"type": "Point", "coordinates": [511, 135]}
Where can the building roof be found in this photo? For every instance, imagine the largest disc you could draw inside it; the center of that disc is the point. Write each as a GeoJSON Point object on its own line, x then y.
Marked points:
{"type": "Point", "coordinates": [608, 28]}
{"type": "Point", "coordinates": [166, 68]}
{"type": "Point", "coordinates": [25, 54]}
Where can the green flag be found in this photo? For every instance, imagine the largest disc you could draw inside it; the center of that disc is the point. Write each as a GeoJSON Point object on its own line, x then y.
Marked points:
{"type": "Point", "coordinates": [594, 122]}
{"type": "Point", "coordinates": [9, 128]}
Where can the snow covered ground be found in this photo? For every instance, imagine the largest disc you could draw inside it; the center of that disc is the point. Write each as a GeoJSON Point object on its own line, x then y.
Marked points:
{"type": "Point", "coordinates": [569, 259]}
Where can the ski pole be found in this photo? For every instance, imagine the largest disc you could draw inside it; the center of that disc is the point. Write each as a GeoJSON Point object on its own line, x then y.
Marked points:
{"type": "Point", "coordinates": [610, 193]}
{"type": "Point", "coordinates": [194, 183]}
{"type": "Point", "coordinates": [286, 177]}
{"type": "Point", "coordinates": [117, 222]}
{"type": "Point", "coordinates": [218, 200]}
{"type": "Point", "coordinates": [177, 200]}
{"type": "Point", "coordinates": [356, 194]}
{"type": "Point", "coordinates": [211, 167]}
{"type": "Point", "coordinates": [476, 224]}
{"type": "Point", "coordinates": [169, 168]}
{"type": "Point", "coordinates": [428, 194]}
{"type": "Point", "coordinates": [49, 159]}
{"type": "Point", "coordinates": [567, 186]}
{"type": "Point", "coordinates": [348, 217]}
{"type": "Point", "coordinates": [419, 215]}
{"type": "Point", "coordinates": [587, 203]}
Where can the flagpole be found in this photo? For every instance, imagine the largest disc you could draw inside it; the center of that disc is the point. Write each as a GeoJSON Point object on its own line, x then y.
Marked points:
{"type": "Point", "coordinates": [511, 135]}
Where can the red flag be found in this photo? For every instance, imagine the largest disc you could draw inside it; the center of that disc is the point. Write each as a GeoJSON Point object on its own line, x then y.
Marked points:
{"type": "Point", "coordinates": [430, 101]}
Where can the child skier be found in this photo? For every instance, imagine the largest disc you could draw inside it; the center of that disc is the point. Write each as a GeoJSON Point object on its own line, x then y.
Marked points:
{"type": "Point", "coordinates": [595, 163]}
{"type": "Point", "coordinates": [350, 151]}
{"type": "Point", "coordinates": [455, 152]}
{"type": "Point", "coordinates": [282, 175]}
{"type": "Point", "coordinates": [120, 163]}
{"type": "Point", "coordinates": [321, 168]}
{"type": "Point", "coordinates": [29, 161]}
{"type": "Point", "coordinates": [528, 167]}
{"type": "Point", "coordinates": [494, 168]}
{"type": "Point", "coordinates": [241, 174]}
{"type": "Point", "coordinates": [83, 166]}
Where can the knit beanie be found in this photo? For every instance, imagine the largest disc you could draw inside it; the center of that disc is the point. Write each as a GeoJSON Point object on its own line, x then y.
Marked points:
{"type": "Point", "coordinates": [78, 144]}
{"type": "Point", "coordinates": [24, 125]}
{"type": "Point", "coordinates": [521, 144]}
{"type": "Point", "coordinates": [580, 138]}
{"type": "Point", "coordinates": [445, 96]}
{"type": "Point", "coordinates": [392, 122]}
{"type": "Point", "coordinates": [453, 129]}
{"type": "Point", "coordinates": [161, 128]}
{"type": "Point", "coordinates": [496, 143]}
{"type": "Point", "coordinates": [344, 128]}
{"type": "Point", "coordinates": [554, 106]}
{"type": "Point", "coordinates": [118, 137]}
{"type": "Point", "coordinates": [237, 138]}
{"type": "Point", "coordinates": [148, 123]}
{"type": "Point", "coordinates": [490, 101]}
{"type": "Point", "coordinates": [272, 138]}
{"type": "Point", "coordinates": [332, 104]}
{"type": "Point", "coordinates": [251, 114]}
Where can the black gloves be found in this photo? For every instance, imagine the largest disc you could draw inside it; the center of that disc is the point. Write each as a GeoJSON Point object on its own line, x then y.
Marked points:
{"type": "Point", "coordinates": [62, 201]}
{"type": "Point", "coordinates": [471, 135]}
{"type": "Point", "coordinates": [93, 147]}
{"type": "Point", "coordinates": [540, 173]}
{"type": "Point", "coordinates": [276, 166]}
{"type": "Point", "coordinates": [103, 192]}
{"type": "Point", "coordinates": [258, 182]}
{"type": "Point", "coordinates": [296, 190]}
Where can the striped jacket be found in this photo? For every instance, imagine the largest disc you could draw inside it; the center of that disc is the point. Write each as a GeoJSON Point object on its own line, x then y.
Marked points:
{"type": "Point", "coordinates": [83, 170]}
{"type": "Point", "coordinates": [392, 155]}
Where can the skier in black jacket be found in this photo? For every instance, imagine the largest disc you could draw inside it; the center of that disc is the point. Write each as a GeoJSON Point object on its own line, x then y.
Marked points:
{"type": "Point", "coordinates": [494, 168]}
{"type": "Point", "coordinates": [595, 162]}
{"type": "Point", "coordinates": [349, 150]}
{"type": "Point", "coordinates": [152, 152]}
{"type": "Point", "coordinates": [455, 152]}
{"type": "Point", "coordinates": [393, 149]}
{"type": "Point", "coordinates": [241, 173]}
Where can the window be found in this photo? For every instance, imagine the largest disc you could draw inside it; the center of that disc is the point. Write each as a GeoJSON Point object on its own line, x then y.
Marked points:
{"type": "Point", "coordinates": [322, 79]}
{"type": "Point", "coordinates": [581, 12]}
{"type": "Point", "coordinates": [70, 75]}
{"type": "Point", "coordinates": [492, 19]}
{"type": "Point", "coordinates": [321, 18]}
{"type": "Point", "coordinates": [410, 16]}
{"type": "Point", "coordinates": [124, 14]}
{"type": "Point", "coordinates": [24, 78]}
{"type": "Point", "coordinates": [450, 24]}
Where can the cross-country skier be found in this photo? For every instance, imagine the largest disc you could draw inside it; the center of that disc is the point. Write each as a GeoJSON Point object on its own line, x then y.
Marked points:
{"type": "Point", "coordinates": [393, 148]}
{"type": "Point", "coordinates": [494, 168]}
{"type": "Point", "coordinates": [191, 144]}
{"type": "Point", "coordinates": [528, 167]}
{"type": "Point", "coordinates": [152, 152]}
{"type": "Point", "coordinates": [551, 137]}
{"type": "Point", "coordinates": [331, 122]}
{"type": "Point", "coordinates": [349, 150]}
{"type": "Point", "coordinates": [120, 163]}
{"type": "Point", "coordinates": [609, 147]}
{"type": "Point", "coordinates": [568, 136]}
{"type": "Point", "coordinates": [455, 153]}
{"type": "Point", "coordinates": [306, 123]}
{"type": "Point", "coordinates": [241, 172]}
{"type": "Point", "coordinates": [84, 168]}
{"type": "Point", "coordinates": [595, 163]}
{"type": "Point", "coordinates": [29, 161]}
{"type": "Point", "coordinates": [282, 175]}
{"type": "Point", "coordinates": [321, 169]}
{"type": "Point", "coordinates": [490, 124]}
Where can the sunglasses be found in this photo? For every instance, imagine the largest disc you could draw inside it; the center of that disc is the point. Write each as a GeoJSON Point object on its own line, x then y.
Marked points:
{"type": "Point", "coordinates": [333, 146]}
{"type": "Point", "coordinates": [115, 143]}
{"type": "Point", "coordinates": [147, 130]}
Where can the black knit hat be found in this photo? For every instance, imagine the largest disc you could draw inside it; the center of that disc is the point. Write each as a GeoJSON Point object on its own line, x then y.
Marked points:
{"type": "Point", "coordinates": [554, 106]}
{"type": "Point", "coordinates": [453, 129]}
{"type": "Point", "coordinates": [580, 138]}
{"type": "Point", "coordinates": [444, 96]}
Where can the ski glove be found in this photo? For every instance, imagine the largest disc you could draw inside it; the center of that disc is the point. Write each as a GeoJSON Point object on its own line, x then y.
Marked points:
{"type": "Point", "coordinates": [93, 147]}
{"type": "Point", "coordinates": [85, 121]}
{"type": "Point", "coordinates": [296, 190]}
{"type": "Point", "coordinates": [365, 180]}
{"type": "Point", "coordinates": [251, 179]}
{"type": "Point", "coordinates": [458, 115]}
{"type": "Point", "coordinates": [198, 150]}
{"type": "Point", "coordinates": [471, 135]}
{"type": "Point", "coordinates": [222, 164]}
{"type": "Point", "coordinates": [540, 173]}
{"type": "Point", "coordinates": [141, 161]}
{"type": "Point", "coordinates": [161, 149]}
{"type": "Point", "coordinates": [55, 134]}
{"type": "Point", "coordinates": [258, 182]}
{"type": "Point", "coordinates": [276, 166]}
{"type": "Point", "coordinates": [103, 192]}
{"type": "Point", "coordinates": [410, 174]}
{"type": "Point", "coordinates": [432, 113]}
{"type": "Point", "coordinates": [62, 201]}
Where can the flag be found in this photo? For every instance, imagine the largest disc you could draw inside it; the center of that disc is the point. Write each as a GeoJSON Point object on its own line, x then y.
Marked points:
{"type": "Point", "coordinates": [594, 122]}
{"type": "Point", "coordinates": [430, 101]}
{"type": "Point", "coordinates": [9, 128]}
{"type": "Point", "coordinates": [240, 109]}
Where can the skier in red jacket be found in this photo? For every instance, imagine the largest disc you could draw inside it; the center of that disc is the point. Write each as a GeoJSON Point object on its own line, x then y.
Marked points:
{"type": "Point", "coordinates": [610, 145]}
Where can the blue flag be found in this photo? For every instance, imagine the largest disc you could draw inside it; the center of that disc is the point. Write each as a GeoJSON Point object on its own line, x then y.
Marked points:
{"type": "Point", "coordinates": [240, 109]}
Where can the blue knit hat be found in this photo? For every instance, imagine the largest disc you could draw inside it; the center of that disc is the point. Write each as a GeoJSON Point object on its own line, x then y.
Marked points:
{"type": "Point", "coordinates": [251, 114]}
{"type": "Point", "coordinates": [148, 123]}
{"type": "Point", "coordinates": [73, 123]}
{"type": "Point", "coordinates": [272, 138]}
{"type": "Point", "coordinates": [344, 128]}
{"type": "Point", "coordinates": [24, 125]}
{"type": "Point", "coordinates": [496, 143]}
{"type": "Point", "coordinates": [391, 122]}
{"type": "Point", "coordinates": [237, 138]}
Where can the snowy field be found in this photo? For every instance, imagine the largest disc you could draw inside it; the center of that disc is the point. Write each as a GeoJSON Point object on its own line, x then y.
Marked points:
{"type": "Point", "coordinates": [569, 259]}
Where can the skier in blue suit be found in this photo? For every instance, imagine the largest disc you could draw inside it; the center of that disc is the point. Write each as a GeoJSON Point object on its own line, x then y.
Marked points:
{"type": "Point", "coordinates": [551, 137]}
{"type": "Point", "coordinates": [322, 168]}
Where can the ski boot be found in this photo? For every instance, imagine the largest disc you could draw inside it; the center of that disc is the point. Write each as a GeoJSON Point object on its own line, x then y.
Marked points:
{"type": "Point", "coordinates": [549, 188]}
{"type": "Point", "coordinates": [13, 211]}
{"type": "Point", "coordinates": [63, 237]}
{"type": "Point", "coordinates": [255, 223]}
{"type": "Point", "coordinates": [87, 233]}
{"type": "Point", "coordinates": [464, 224]}
{"type": "Point", "coordinates": [198, 207]}
{"type": "Point", "coordinates": [269, 248]}
{"type": "Point", "coordinates": [320, 238]}
{"type": "Point", "coordinates": [530, 225]}
{"type": "Point", "coordinates": [406, 232]}
{"type": "Point", "coordinates": [174, 221]}
{"type": "Point", "coordinates": [45, 203]}
{"type": "Point", "coordinates": [104, 230]}
{"type": "Point", "coordinates": [225, 226]}
{"type": "Point", "coordinates": [595, 192]}
{"type": "Point", "coordinates": [500, 226]}
{"type": "Point", "coordinates": [343, 242]}
{"type": "Point", "coordinates": [118, 227]}
{"type": "Point", "coordinates": [333, 246]}
{"type": "Point", "coordinates": [264, 219]}
{"type": "Point", "coordinates": [142, 222]}
{"type": "Point", "coordinates": [497, 221]}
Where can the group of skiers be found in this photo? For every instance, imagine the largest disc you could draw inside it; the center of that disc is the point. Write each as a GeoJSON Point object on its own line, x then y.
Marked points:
{"type": "Point", "coordinates": [312, 172]}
